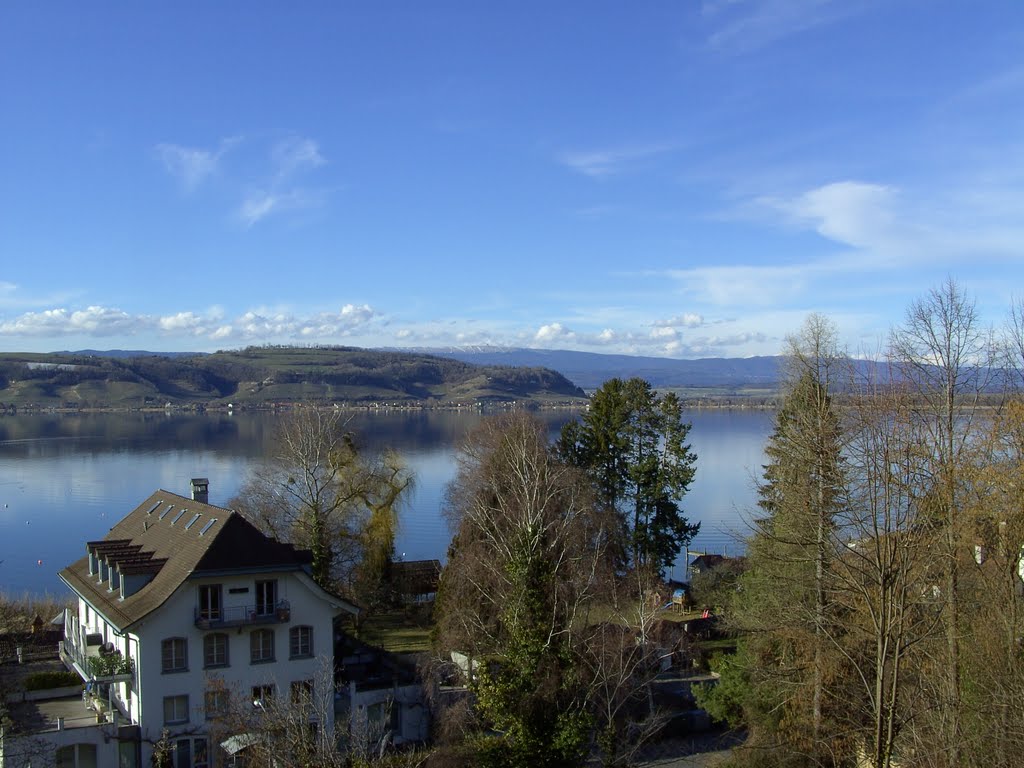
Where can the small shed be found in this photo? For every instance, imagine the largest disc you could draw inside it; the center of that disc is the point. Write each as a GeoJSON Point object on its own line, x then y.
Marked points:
{"type": "Point", "coordinates": [706, 563]}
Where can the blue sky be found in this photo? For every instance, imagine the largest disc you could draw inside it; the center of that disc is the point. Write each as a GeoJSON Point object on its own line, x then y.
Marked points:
{"type": "Point", "coordinates": [685, 178]}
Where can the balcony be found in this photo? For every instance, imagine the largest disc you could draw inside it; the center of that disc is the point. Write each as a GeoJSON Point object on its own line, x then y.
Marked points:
{"type": "Point", "coordinates": [243, 615]}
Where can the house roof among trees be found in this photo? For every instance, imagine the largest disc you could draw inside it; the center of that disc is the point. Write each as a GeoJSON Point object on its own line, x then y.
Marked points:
{"type": "Point", "coordinates": [172, 538]}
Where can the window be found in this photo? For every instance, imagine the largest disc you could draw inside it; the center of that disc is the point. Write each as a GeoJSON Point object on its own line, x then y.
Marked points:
{"type": "Point", "coordinates": [302, 692]}
{"type": "Point", "coordinates": [210, 602]}
{"type": "Point", "coordinates": [215, 703]}
{"type": "Point", "coordinates": [174, 655]}
{"type": "Point", "coordinates": [76, 756]}
{"type": "Point", "coordinates": [261, 646]}
{"type": "Point", "coordinates": [200, 754]}
{"type": "Point", "coordinates": [300, 642]}
{"type": "Point", "coordinates": [261, 694]}
{"type": "Point", "coordinates": [175, 710]}
{"type": "Point", "coordinates": [215, 650]}
{"type": "Point", "coordinates": [266, 597]}
{"type": "Point", "coordinates": [191, 753]}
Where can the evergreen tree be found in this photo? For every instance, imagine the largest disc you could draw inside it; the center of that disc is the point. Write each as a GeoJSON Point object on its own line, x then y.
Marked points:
{"type": "Point", "coordinates": [632, 444]}
{"type": "Point", "coordinates": [785, 605]}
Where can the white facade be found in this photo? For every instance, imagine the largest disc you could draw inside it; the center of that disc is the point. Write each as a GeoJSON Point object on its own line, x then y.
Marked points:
{"type": "Point", "coordinates": [181, 651]}
{"type": "Point", "coordinates": [185, 612]}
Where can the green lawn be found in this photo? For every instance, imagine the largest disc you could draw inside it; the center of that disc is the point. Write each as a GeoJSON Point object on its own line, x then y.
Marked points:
{"type": "Point", "coordinates": [398, 631]}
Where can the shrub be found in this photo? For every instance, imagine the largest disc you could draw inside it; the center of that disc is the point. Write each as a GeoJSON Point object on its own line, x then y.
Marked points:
{"type": "Point", "coordinates": [42, 681]}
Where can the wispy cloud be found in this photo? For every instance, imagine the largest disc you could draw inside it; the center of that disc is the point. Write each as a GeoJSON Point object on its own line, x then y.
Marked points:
{"type": "Point", "coordinates": [260, 203]}
{"type": "Point", "coordinates": [294, 155]}
{"type": "Point", "coordinates": [12, 296]}
{"type": "Point", "coordinates": [742, 286]}
{"type": "Point", "coordinates": [290, 159]}
{"type": "Point", "coordinates": [745, 25]}
{"type": "Point", "coordinates": [276, 186]}
{"type": "Point", "coordinates": [192, 165]}
{"type": "Point", "coordinates": [600, 163]}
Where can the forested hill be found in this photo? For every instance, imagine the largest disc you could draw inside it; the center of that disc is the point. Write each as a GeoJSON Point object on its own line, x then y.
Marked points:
{"type": "Point", "coordinates": [262, 375]}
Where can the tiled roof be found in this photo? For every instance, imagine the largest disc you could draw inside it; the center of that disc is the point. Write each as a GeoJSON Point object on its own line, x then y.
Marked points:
{"type": "Point", "coordinates": [171, 550]}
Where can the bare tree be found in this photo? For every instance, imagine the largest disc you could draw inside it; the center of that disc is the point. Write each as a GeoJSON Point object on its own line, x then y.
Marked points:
{"type": "Point", "coordinates": [946, 360]}
{"type": "Point", "coordinates": [621, 658]}
{"type": "Point", "coordinates": [523, 570]}
{"type": "Point", "coordinates": [994, 706]}
{"type": "Point", "coordinates": [280, 727]}
{"type": "Point", "coordinates": [317, 491]}
{"type": "Point", "coordinates": [881, 579]}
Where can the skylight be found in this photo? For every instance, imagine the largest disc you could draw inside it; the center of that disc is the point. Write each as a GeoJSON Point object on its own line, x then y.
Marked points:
{"type": "Point", "coordinates": [208, 526]}
{"type": "Point", "coordinates": [154, 508]}
{"type": "Point", "coordinates": [167, 511]}
{"type": "Point", "coordinates": [178, 516]}
{"type": "Point", "coordinates": [192, 522]}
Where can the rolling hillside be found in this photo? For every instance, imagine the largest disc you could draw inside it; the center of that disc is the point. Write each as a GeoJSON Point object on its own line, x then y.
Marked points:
{"type": "Point", "coordinates": [259, 376]}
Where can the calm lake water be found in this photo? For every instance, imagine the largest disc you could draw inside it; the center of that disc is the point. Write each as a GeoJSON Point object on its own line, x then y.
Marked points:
{"type": "Point", "coordinates": [66, 479]}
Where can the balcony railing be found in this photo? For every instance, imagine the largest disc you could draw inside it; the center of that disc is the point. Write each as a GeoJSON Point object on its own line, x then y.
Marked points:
{"type": "Point", "coordinates": [242, 615]}
{"type": "Point", "coordinates": [97, 665]}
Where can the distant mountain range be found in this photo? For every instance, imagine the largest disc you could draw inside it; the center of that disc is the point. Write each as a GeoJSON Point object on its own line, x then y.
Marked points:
{"type": "Point", "coordinates": [584, 369]}
{"type": "Point", "coordinates": [589, 369]}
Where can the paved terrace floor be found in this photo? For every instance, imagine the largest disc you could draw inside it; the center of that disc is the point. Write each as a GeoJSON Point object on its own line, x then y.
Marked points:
{"type": "Point", "coordinates": [41, 716]}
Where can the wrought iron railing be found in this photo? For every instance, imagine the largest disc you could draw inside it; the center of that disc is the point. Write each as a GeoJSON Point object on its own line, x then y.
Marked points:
{"type": "Point", "coordinates": [241, 615]}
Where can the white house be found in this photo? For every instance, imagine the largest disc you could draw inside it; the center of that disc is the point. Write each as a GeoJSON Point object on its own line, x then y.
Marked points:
{"type": "Point", "coordinates": [182, 604]}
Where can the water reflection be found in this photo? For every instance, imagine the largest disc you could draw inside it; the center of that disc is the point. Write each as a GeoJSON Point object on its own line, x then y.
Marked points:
{"type": "Point", "coordinates": [65, 479]}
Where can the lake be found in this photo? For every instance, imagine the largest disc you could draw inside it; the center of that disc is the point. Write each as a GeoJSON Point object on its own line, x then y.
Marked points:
{"type": "Point", "coordinates": [67, 478]}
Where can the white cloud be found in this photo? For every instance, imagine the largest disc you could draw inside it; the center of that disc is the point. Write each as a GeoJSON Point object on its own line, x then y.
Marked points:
{"type": "Point", "coordinates": [91, 321]}
{"type": "Point", "coordinates": [253, 325]}
{"type": "Point", "coordinates": [294, 155]}
{"type": "Point", "coordinates": [606, 162]}
{"type": "Point", "coordinates": [746, 25]}
{"type": "Point", "coordinates": [743, 285]}
{"type": "Point", "coordinates": [277, 188]}
{"type": "Point", "coordinates": [686, 320]}
{"type": "Point", "coordinates": [182, 321]}
{"type": "Point", "coordinates": [848, 212]}
{"type": "Point", "coordinates": [353, 315]}
{"type": "Point", "coordinates": [552, 332]}
{"type": "Point", "coordinates": [291, 158]}
{"type": "Point", "coordinates": [257, 206]}
{"type": "Point", "coordinates": [190, 165]}
{"type": "Point", "coordinates": [260, 204]}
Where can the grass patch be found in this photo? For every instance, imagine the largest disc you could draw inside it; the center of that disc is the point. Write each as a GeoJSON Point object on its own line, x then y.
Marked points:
{"type": "Point", "coordinates": [397, 631]}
